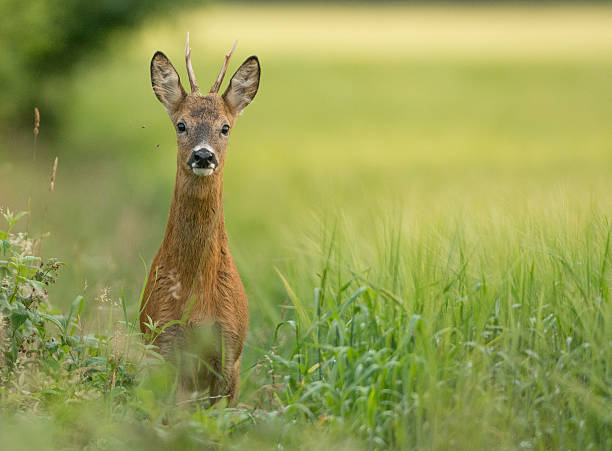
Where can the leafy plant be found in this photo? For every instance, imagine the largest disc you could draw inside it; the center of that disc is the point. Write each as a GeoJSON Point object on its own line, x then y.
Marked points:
{"type": "Point", "coordinates": [38, 338]}
{"type": "Point", "coordinates": [397, 357]}
{"type": "Point", "coordinates": [46, 39]}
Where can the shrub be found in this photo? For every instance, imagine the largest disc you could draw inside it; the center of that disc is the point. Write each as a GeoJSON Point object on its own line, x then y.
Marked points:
{"type": "Point", "coordinates": [44, 39]}
{"type": "Point", "coordinates": [38, 344]}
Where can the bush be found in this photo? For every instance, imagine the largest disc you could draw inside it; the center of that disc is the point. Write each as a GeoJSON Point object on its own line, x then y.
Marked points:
{"type": "Point", "coordinates": [44, 39]}
{"type": "Point", "coordinates": [39, 346]}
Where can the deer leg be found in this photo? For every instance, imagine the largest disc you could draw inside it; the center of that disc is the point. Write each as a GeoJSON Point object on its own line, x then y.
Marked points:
{"type": "Point", "coordinates": [226, 387]}
{"type": "Point", "coordinates": [234, 385]}
{"type": "Point", "coordinates": [224, 384]}
{"type": "Point", "coordinates": [170, 342]}
{"type": "Point", "coordinates": [217, 388]}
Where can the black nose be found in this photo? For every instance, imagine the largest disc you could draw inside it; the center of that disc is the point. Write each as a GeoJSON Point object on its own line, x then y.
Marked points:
{"type": "Point", "coordinates": [202, 158]}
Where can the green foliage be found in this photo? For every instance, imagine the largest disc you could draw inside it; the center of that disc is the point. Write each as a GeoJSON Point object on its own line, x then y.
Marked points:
{"type": "Point", "coordinates": [447, 341]}
{"type": "Point", "coordinates": [45, 39]}
{"type": "Point", "coordinates": [36, 340]}
{"type": "Point", "coordinates": [409, 342]}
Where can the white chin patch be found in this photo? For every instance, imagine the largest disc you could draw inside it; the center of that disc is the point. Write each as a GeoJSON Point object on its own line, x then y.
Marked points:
{"type": "Point", "coordinates": [203, 171]}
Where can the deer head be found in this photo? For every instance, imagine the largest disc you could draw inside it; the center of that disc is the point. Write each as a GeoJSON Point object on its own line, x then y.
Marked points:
{"type": "Point", "coordinates": [203, 122]}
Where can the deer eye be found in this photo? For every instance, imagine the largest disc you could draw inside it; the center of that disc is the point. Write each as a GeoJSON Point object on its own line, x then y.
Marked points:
{"type": "Point", "coordinates": [181, 127]}
{"type": "Point", "coordinates": [225, 129]}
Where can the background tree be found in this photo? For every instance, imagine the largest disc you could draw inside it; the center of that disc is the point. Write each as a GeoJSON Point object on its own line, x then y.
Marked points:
{"type": "Point", "coordinates": [44, 39]}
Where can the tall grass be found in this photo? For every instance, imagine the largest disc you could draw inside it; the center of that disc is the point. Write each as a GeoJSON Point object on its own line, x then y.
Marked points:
{"type": "Point", "coordinates": [474, 334]}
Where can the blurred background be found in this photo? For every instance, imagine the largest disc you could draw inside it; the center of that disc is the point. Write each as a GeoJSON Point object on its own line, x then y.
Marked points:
{"type": "Point", "coordinates": [367, 112]}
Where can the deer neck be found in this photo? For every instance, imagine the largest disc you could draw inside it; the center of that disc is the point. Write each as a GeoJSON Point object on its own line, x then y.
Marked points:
{"type": "Point", "coordinates": [195, 239]}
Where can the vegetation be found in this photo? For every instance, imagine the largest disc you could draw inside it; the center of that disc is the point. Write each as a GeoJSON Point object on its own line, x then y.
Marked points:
{"type": "Point", "coordinates": [423, 232]}
{"type": "Point", "coordinates": [45, 39]}
{"type": "Point", "coordinates": [45, 356]}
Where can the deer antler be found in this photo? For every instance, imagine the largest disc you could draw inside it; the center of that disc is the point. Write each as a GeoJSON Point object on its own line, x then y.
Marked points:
{"type": "Point", "coordinates": [217, 85]}
{"type": "Point", "coordinates": [192, 78]}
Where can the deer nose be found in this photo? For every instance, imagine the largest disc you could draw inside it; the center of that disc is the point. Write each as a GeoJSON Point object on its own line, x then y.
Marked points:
{"type": "Point", "coordinates": [203, 158]}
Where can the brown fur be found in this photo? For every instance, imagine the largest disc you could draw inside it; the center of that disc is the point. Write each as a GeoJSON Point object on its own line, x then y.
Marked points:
{"type": "Point", "coordinates": [193, 275]}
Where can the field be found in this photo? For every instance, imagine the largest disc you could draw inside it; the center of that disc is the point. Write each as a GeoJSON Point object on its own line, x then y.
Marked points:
{"type": "Point", "coordinates": [418, 202]}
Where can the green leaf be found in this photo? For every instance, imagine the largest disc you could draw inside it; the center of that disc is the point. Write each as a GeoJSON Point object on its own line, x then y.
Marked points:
{"type": "Point", "coordinates": [78, 305]}
{"type": "Point", "coordinates": [18, 318]}
{"type": "Point", "coordinates": [55, 319]}
{"type": "Point", "coordinates": [30, 260]}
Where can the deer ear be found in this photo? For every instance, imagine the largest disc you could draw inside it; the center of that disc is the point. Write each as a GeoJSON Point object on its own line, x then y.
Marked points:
{"type": "Point", "coordinates": [243, 86]}
{"type": "Point", "coordinates": [166, 82]}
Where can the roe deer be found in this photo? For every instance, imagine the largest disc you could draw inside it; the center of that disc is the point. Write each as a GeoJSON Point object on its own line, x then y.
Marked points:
{"type": "Point", "coordinates": [193, 276]}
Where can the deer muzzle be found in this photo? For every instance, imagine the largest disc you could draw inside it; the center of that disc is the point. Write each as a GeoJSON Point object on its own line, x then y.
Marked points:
{"type": "Point", "coordinates": [203, 162]}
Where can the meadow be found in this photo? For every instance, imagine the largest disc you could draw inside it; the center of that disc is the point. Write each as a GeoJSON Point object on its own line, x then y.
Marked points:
{"type": "Point", "coordinates": [417, 202]}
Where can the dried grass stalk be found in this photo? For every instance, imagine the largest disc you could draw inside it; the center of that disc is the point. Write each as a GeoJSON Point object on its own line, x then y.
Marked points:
{"type": "Point", "coordinates": [52, 184]}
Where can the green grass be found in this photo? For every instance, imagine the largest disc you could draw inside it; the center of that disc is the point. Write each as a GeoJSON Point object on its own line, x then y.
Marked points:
{"type": "Point", "coordinates": [419, 212]}
{"type": "Point", "coordinates": [470, 335]}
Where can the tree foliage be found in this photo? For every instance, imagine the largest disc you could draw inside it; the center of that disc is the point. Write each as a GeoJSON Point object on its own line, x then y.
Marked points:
{"type": "Point", "coordinates": [44, 39]}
